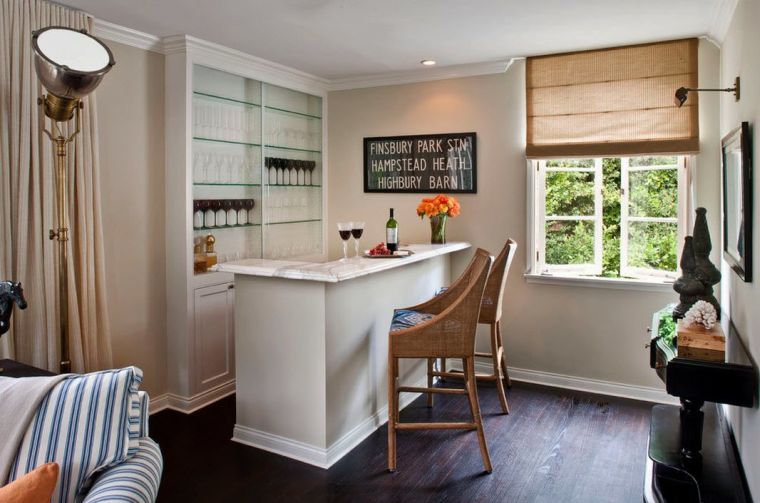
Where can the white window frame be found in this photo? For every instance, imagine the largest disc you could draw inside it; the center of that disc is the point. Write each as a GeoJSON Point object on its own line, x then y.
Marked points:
{"type": "Point", "coordinates": [538, 271]}
{"type": "Point", "coordinates": [590, 269]}
{"type": "Point", "coordinates": [625, 218]}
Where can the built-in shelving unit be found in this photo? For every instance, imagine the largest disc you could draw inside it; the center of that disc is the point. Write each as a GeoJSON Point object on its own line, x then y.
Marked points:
{"type": "Point", "coordinates": [226, 114]}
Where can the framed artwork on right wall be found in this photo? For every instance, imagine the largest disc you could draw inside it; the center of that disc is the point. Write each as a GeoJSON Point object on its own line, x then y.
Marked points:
{"type": "Point", "coordinates": [737, 200]}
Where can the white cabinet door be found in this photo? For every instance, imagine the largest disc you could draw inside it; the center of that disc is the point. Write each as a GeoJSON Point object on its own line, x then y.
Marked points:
{"type": "Point", "coordinates": [214, 336]}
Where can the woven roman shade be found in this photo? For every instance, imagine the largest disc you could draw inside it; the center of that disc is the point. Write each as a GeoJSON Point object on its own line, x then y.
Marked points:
{"type": "Point", "coordinates": [615, 101]}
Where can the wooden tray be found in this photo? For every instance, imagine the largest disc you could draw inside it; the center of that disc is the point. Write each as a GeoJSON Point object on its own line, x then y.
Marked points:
{"type": "Point", "coordinates": [407, 253]}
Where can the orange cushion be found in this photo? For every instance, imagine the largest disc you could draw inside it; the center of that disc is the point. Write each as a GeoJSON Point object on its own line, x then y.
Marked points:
{"type": "Point", "coordinates": [35, 487]}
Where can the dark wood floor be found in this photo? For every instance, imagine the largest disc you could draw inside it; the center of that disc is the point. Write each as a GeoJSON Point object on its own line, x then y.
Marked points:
{"type": "Point", "coordinates": [554, 446]}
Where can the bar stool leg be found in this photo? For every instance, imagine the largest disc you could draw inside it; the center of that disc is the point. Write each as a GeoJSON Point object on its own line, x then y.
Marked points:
{"type": "Point", "coordinates": [496, 352]}
{"type": "Point", "coordinates": [392, 373]}
{"type": "Point", "coordinates": [430, 362]}
{"type": "Point", "coordinates": [443, 368]}
{"type": "Point", "coordinates": [472, 393]}
{"type": "Point", "coordinates": [503, 355]}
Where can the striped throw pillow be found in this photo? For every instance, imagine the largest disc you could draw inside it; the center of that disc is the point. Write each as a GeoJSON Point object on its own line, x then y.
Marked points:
{"type": "Point", "coordinates": [86, 424]}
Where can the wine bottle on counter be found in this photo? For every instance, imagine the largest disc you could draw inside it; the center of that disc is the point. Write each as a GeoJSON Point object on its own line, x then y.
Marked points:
{"type": "Point", "coordinates": [391, 233]}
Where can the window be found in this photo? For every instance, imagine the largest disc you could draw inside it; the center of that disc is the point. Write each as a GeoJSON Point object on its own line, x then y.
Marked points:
{"type": "Point", "coordinates": [621, 217]}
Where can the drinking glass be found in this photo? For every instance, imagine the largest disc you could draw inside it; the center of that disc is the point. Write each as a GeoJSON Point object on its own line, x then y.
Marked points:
{"type": "Point", "coordinates": [357, 229]}
{"type": "Point", "coordinates": [344, 230]}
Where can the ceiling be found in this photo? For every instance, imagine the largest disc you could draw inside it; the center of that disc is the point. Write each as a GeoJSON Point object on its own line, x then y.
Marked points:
{"type": "Point", "coordinates": [340, 39]}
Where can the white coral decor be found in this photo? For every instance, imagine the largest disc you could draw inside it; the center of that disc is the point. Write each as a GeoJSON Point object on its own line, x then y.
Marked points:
{"type": "Point", "coordinates": [702, 313]}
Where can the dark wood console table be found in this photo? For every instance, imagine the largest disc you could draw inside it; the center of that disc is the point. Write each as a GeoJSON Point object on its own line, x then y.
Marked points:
{"type": "Point", "coordinates": [691, 454]}
{"type": "Point", "coordinates": [12, 368]}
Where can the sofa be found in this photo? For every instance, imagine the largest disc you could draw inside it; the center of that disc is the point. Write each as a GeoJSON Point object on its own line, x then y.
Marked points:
{"type": "Point", "coordinates": [95, 426]}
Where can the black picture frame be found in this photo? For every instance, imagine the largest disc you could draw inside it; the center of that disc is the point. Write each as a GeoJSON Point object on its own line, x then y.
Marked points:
{"type": "Point", "coordinates": [736, 177]}
{"type": "Point", "coordinates": [472, 188]}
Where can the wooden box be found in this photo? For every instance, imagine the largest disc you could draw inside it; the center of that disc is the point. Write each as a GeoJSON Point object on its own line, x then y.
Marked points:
{"type": "Point", "coordinates": [697, 342]}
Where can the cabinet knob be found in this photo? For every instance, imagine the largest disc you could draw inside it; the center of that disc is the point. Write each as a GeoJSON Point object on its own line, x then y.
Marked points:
{"type": "Point", "coordinates": [231, 287]}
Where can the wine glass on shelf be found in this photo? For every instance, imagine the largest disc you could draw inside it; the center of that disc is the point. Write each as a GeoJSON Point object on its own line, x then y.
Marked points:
{"type": "Point", "coordinates": [344, 230]}
{"type": "Point", "coordinates": [357, 229]}
{"type": "Point", "coordinates": [310, 166]}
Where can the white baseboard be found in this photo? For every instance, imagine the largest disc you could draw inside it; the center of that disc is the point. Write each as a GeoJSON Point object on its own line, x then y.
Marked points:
{"type": "Point", "coordinates": [190, 404]}
{"type": "Point", "coordinates": [319, 456]}
{"type": "Point", "coordinates": [644, 393]}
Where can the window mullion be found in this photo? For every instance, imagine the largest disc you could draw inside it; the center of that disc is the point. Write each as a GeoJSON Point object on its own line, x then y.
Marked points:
{"type": "Point", "coordinates": [598, 216]}
{"type": "Point", "coordinates": [540, 229]}
{"type": "Point", "coordinates": [625, 164]}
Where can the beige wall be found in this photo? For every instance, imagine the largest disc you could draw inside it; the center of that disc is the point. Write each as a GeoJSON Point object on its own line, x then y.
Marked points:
{"type": "Point", "coordinates": [131, 115]}
{"type": "Point", "coordinates": [740, 55]}
{"type": "Point", "coordinates": [587, 332]}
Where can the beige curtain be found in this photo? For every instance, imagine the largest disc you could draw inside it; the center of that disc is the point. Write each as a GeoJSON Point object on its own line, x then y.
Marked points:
{"type": "Point", "coordinates": [27, 208]}
{"type": "Point", "coordinates": [617, 101]}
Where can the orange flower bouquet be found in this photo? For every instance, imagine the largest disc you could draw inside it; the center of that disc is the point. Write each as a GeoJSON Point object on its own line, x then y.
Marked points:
{"type": "Point", "coordinates": [438, 209]}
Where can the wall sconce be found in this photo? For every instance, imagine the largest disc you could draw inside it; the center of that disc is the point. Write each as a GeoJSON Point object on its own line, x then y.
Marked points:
{"type": "Point", "coordinates": [683, 92]}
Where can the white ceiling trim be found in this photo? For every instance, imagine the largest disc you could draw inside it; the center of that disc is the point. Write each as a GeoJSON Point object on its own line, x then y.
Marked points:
{"type": "Point", "coordinates": [215, 55]}
{"type": "Point", "coordinates": [721, 20]}
{"type": "Point", "coordinates": [127, 36]}
{"type": "Point", "coordinates": [421, 75]}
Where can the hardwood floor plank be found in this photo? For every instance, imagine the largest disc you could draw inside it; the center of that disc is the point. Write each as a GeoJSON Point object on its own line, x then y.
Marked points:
{"type": "Point", "coordinates": [554, 446]}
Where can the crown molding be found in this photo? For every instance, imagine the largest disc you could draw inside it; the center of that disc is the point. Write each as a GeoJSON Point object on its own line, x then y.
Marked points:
{"type": "Point", "coordinates": [721, 20]}
{"type": "Point", "coordinates": [422, 75]}
{"type": "Point", "coordinates": [127, 36]}
{"type": "Point", "coordinates": [223, 57]}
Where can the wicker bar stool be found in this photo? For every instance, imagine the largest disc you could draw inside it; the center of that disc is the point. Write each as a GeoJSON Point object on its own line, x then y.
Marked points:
{"type": "Point", "coordinates": [443, 327]}
{"type": "Point", "coordinates": [490, 314]}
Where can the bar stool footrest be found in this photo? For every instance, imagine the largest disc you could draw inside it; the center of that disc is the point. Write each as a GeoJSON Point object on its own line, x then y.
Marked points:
{"type": "Point", "coordinates": [436, 426]}
{"type": "Point", "coordinates": [445, 391]}
{"type": "Point", "coordinates": [460, 375]}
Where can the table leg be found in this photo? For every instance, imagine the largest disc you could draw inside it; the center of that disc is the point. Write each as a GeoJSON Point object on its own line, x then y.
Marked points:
{"type": "Point", "coordinates": [692, 419]}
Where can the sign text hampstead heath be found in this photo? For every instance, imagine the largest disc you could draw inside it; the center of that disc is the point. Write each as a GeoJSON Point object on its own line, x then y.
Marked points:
{"type": "Point", "coordinates": [421, 163]}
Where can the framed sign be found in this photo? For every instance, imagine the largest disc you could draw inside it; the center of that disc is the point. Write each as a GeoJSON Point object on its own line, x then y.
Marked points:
{"type": "Point", "coordinates": [737, 201]}
{"type": "Point", "coordinates": [421, 163]}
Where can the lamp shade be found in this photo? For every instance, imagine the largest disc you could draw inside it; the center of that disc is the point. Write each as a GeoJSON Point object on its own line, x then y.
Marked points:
{"type": "Point", "coordinates": [70, 64]}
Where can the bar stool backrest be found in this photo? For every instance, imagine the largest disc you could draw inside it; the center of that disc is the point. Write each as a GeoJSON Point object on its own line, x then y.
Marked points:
{"type": "Point", "coordinates": [493, 296]}
{"type": "Point", "coordinates": [463, 318]}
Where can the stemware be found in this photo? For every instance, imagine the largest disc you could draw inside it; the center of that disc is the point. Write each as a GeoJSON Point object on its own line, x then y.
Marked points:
{"type": "Point", "coordinates": [344, 230]}
{"type": "Point", "coordinates": [231, 212]}
{"type": "Point", "coordinates": [357, 229]}
{"type": "Point", "coordinates": [293, 171]}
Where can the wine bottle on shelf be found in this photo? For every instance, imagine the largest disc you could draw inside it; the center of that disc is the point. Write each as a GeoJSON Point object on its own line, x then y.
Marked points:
{"type": "Point", "coordinates": [391, 233]}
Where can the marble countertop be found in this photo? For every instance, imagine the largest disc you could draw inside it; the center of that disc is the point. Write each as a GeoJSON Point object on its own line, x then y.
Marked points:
{"type": "Point", "coordinates": [335, 271]}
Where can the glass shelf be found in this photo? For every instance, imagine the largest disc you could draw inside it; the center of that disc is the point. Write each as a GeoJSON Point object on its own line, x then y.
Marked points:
{"type": "Point", "coordinates": [225, 227]}
{"type": "Point", "coordinates": [288, 185]}
{"type": "Point", "coordinates": [205, 184]}
{"type": "Point", "coordinates": [294, 222]}
{"type": "Point", "coordinates": [293, 148]}
{"type": "Point", "coordinates": [230, 142]}
{"type": "Point", "coordinates": [224, 98]}
{"type": "Point", "coordinates": [300, 114]}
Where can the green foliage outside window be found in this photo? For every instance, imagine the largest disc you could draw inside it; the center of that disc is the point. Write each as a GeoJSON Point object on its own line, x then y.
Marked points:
{"type": "Point", "coordinates": [652, 194]}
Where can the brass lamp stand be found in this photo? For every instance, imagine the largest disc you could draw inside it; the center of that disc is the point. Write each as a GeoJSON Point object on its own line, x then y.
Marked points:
{"type": "Point", "coordinates": [70, 64]}
{"type": "Point", "coordinates": [58, 110]}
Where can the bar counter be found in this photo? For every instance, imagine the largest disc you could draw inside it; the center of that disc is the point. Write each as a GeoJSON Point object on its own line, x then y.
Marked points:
{"type": "Point", "coordinates": [311, 344]}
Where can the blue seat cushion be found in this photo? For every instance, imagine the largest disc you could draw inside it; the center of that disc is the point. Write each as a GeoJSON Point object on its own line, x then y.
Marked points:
{"type": "Point", "coordinates": [406, 318]}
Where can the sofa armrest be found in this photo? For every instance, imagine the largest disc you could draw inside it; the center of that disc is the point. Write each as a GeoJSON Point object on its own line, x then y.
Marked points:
{"type": "Point", "coordinates": [144, 412]}
{"type": "Point", "coordinates": [136, 480]}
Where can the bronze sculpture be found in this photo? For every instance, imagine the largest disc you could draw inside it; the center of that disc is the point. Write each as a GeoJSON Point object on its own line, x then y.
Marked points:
{"type": "Point", "coordinates": [10, 293]}
{"type": "Point", "coordinates": [698, 274]}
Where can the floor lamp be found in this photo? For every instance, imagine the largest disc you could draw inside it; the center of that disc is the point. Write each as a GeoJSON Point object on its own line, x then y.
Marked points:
{"type": "Point", "coordinates": [70, 64]}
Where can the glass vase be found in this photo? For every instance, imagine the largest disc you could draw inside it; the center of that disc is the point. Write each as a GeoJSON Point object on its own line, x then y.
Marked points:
{"type": "Point", "coordinates": [438, 229]}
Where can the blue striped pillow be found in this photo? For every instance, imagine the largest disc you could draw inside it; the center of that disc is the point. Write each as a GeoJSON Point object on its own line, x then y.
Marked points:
{"type": "Point", "coordinates": [86, 424]}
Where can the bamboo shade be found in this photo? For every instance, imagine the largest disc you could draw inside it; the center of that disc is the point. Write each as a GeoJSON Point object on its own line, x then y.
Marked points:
{"type": "Point", "coordinates": [613, 101]}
